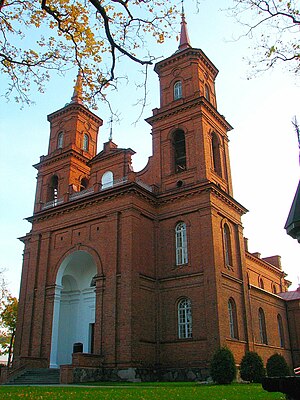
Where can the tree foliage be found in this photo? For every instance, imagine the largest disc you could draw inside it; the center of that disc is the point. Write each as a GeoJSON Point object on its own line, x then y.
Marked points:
{"type": "Point", "coordinates": [37, 36]}
{"type": "Point", "coordinates": [223, 369]}
{"type": "Point", "coordinates": [275, 25]}
{"type": "Point", "coordinates": [252, 367]}
{"type": "Point", "coordinates": [8, 318]}
{"type": "Point", "coordinates": [277, 366]}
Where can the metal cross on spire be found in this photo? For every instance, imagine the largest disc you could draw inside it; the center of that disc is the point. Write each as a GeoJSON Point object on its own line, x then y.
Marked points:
{"type": "Point", "coordinates": [77, 94]}
{"type": "Point", "coordinates": [110, 131]}
{"type": "Point", "coordinates": [297, 129]}
{"type": "Point", "coordinates": [184, 36]}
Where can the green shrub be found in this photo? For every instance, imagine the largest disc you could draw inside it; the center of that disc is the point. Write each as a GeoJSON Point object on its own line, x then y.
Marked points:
{"type": "Point", "coordinates": [252, 367]}
{"type": "Point", "coordinates": [222, 368]}
{"type": "Point", "coordinates": [277, 366]}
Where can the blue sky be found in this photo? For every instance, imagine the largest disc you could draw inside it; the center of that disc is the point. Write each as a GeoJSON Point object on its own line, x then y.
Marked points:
{"type": "Point", "coordinates": [263, 144]}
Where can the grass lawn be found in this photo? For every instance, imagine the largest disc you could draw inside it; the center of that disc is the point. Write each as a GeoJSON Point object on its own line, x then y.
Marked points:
{"type": "Point", "coordinates": [149, 391]}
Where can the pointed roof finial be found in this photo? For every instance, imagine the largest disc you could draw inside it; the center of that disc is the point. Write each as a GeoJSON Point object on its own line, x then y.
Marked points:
{"type": "Point", "coordinates": [77, 94]}
{"type": "Point", "coordinates": [110, 131]}
{"type": "Point", "coordinates": [184, 36]}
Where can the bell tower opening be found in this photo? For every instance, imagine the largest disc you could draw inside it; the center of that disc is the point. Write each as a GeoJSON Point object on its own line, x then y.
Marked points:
{"type": "Point", "coordinates": [216, 156]}
{"type": "Point", "coordinates": [179, 151]}
{"type": "Point", "coordinates": [53, 189]}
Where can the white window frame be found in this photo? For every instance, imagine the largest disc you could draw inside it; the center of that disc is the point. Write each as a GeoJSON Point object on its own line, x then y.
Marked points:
{"type": "Point", "coordinates": [177, 90]}
{"type": "Point", "coordinates": [185, 323]}
{"type": "Point", "coordinates": [86, 140]}
{"type": "Point", "coordinates": [181, 244]}
{"type": "Point", "coordinates": [60, 140]}
{"type": "Point", "coordinates": [107, 180]}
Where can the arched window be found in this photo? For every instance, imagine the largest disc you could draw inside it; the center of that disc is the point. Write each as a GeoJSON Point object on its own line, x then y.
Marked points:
{"type": "Point", "coordinates": [84, 184]}
{"type": "Point", "coordinates": [261, 283]}
{"type": "Point", "coordinates": [181, 244]}
{"type": "Point", "coordinates": [274, 290]}
{"type": "Point", "coordinates": [85, 142]}
{"type": "Point", "coordinates": [53, 189]}
{"type": "Point", "coordinates": [179, 151]}
{"type": "Point", "coordinates": [107, 180]}
{"type": "Point", "coordinates": [184, 319]}
{"type": "Point", "coordinates": [60, 139]}
{"type": "Point", "coordinates": [227, 245]}
{"type": "Point", "coordinates": [262, 326]}
{"type": "Point", "coordinates": [233, 328]}
{"type": "Point", "coordinates": [216, 156]}
{"type": "Point", "coordinates": [177, 90]}
{"type": "Point", "coordinates": [207, 92]}
{"type": "Point", "coordinates": [280, 331]}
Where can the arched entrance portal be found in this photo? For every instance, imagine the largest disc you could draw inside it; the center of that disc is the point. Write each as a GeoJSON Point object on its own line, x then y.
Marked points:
{"type": "Point", "coordinates": [74, 307]}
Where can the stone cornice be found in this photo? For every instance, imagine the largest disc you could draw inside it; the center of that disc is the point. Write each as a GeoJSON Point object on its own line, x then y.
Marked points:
{"type": "Point", "coordinates": [265, 264]}
{"type": "Point", "coordinates": [196, 190]}
{"type": "Point", "coordinates": [74, 107]}
{"type": "Point", "coordinates": [183, 276]}
{"type": "Point", "coordinates": [93, 199]}
{"type": "Point", "coordinates": [134, 188]}
{"type": "Point", "coordinates": [191, 52]}
{"type": "Point", "coordinates": [50, 159]}
{"type": "Point", "coordinates": [232, 278]}
{"type": "Point", "coordinates": [187, 105]}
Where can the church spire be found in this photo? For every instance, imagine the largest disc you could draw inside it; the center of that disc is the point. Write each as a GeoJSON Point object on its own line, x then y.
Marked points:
{"type": "Point", "coordinates": [184, 36]}
{"type": "Point", "coordinates": [77, 94]}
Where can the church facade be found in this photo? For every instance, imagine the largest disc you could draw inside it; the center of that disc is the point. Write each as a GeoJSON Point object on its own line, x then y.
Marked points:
{"type": "Point", "coordinates": [143, 275]}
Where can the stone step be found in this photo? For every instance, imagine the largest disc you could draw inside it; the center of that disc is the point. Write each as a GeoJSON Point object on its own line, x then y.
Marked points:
{"type": "Point", "coordinates": [38, 376]}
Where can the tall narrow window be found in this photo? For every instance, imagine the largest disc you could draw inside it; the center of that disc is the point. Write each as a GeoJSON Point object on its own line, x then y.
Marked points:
{"type": "Point", "coordinates": [261, 283]}
{"type": "Point", "coordinates": [280, 331]}
{"type": "Point", "coordinates": [181, 244]}
{"type": "Point", "coordinates": [53, 189]}
{"type": "Point", "coordinates": [179, 151]}
{"type": "Point", "coordinates": [184, 319]}
{"type": "Point", "coordinates": [233, 329]}
{"type": "Point", "coordinates": [216, 156]}
{"type": "Point", "coordinates": [85, 142]}
{"type": "Point", "coordinates": [262, 327]}
{"type": "Point", "coordinates": [207, 92]}
{"type": "Point", "coordinates": [177, 90]}
{"type": "Point", "coordinates": [60, 139]}
{"type": "Point", "coordinates": [227, 245]}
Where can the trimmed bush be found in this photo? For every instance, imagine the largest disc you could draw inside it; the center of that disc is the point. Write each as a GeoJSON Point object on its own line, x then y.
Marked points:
{"type": "Point", "coordinates": [222, 368]}
{"type": "Point", "coordinates": [252, 367]}
{"type": "Point", "coordinates": [277, 366]}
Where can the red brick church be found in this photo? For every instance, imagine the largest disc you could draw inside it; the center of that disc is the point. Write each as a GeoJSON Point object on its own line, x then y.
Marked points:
{"type": "Point", "coordinates": [147, 273]}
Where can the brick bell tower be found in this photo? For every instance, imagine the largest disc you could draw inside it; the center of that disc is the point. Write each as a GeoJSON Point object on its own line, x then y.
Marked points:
{"type": "Point", "coordinates": [72, 143]}
{"type": "Point", "coordinates": [190, 167]}
{"type": "Point", "coordinates": [196, 148]}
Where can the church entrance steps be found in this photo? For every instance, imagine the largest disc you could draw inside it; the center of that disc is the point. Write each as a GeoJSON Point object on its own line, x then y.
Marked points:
{"type": "Point", "coordinates": [38, 376]}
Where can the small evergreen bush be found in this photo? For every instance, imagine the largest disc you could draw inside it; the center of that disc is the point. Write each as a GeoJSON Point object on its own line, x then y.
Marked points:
{"type": "Point", "coordinates": [222, 368]}
{"type": "Point", "coordinates": [277, 366]}
{"type": "Point", "coordinates": [252, 367]}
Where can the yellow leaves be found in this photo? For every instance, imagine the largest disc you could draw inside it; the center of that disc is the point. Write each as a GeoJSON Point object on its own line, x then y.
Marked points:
{"type": "Point", "coordinates": [161, 38]}
{"type": "Point", "coordinates": [73, 32]}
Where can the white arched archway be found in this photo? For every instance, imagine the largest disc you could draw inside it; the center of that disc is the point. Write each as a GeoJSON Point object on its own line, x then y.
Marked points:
{"type": "Point", "coordinates": [74, 307]}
